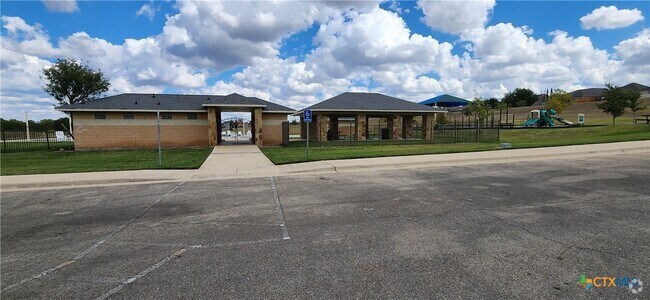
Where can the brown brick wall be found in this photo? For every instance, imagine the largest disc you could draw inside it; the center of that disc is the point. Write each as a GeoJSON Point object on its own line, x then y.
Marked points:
{"type": "Point", "coordinates": [117, 133]}
{"type": "Point", "coordinates": [272, 128]}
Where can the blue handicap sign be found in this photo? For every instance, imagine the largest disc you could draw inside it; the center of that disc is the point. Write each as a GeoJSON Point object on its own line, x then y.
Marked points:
{"type": "Point", "coordinates": [306, 115]}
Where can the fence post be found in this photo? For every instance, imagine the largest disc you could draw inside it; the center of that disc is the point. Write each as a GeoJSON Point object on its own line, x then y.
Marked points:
{"type": "Point", "coordinates": [47, 138]}
{"type": "Point", "coordinates": [455, 132]}
{"type": "Point", "coordinates": [4, 142]}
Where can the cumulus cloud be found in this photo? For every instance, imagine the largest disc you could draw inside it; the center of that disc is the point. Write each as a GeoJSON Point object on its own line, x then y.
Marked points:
{"type": "Point", "coordinates": [610, 17]}
{"type": "Point", "coordinates": [456, 16]}
{"type": "Point", "coordinates": [64, 6]}
{"type": "Point", "coordinates": [358, 46]}
{"type": "Point", "coordinates": [148, 10]}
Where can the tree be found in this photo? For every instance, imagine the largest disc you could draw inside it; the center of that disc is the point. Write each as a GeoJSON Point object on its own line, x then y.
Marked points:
{"type": "Point", "coordinates": [520, 97]}
{"type": "Point", "coordinates": [633, 102]}
{"type": "Point", "coordinates": [559, 101]}
{"type": "Point", "coordinates": [481, 108]}
{"type": "Point", "coordinates": [616, 101]}
{"type": "Point", "coordinates": [441, 118]}
{"type": "Point", "coordinates": [70, 82]}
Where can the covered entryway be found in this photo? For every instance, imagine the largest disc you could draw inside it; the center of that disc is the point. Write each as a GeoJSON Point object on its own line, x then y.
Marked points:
{"type": "Point", "coordinates": [236, 129]}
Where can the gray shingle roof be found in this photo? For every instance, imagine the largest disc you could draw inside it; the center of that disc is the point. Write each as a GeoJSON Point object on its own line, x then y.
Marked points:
{"type": "Point", "coordinates": [369, 102]}
{"type": "Point", "coordinates": [171, 102]}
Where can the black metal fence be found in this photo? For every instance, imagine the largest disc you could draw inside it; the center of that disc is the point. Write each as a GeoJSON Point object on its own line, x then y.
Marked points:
{"type": "Point", "coordinates": [465, 133]}
{"type": "Point", "coordinates": [21, 141]}
{"type": "Point", "coordinates": [345, 132]}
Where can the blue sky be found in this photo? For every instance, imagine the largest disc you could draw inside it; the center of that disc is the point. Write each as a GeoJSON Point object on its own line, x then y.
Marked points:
{"type": "Point", "coordinates": [414, 50]}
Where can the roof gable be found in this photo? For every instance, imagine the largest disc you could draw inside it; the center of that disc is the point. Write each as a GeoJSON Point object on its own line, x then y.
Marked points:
{"type": "Point", "coordinates": [172, 102]}
{"type": "Point", "coordinates": [369, 102]}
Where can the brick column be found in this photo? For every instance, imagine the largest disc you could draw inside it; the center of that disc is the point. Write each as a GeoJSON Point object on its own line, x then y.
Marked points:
{"type": "Point", "coordinates": [408, 127]}
{"type": "Point", "coordinates": [427, 122]}
{"type": "Point", "coordinates": [397, 127]}
{"type": "Point", "coordinates": [212, 126]}
{"type": "Point", "coordinates": [257, 112]}
{"type": "Point", "coordinates": [362, 126]}
{"type": "Point", "coordinates": [322, 126]}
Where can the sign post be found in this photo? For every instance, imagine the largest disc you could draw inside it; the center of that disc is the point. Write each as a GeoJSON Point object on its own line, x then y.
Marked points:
{"type": "Point", "coordinates": [306, 116]}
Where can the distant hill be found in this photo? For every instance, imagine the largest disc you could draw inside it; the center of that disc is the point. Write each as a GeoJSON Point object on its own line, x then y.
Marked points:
{"type": "Point", "coordinates": [643, 89]}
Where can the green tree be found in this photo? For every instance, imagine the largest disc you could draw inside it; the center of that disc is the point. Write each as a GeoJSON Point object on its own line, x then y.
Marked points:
{"type": "Point", "coordinates": [481, 108]}
{"type": "Point", "coordinates": [616, 101]}
{"type": "Point", "coordinates": [559, 101]}
{"type": "Point", "coordinates": [633, 102]}
{"type": "Point", "coordinates": [520, 97]}
{"type": "Point", "coordinates": [70, 82]}
{"type": "Point", "coordinates": [441, 118]}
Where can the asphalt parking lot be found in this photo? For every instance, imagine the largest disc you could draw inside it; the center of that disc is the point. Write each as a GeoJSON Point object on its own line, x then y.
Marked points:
{"type": "Point", "coordinates": [517, 230]}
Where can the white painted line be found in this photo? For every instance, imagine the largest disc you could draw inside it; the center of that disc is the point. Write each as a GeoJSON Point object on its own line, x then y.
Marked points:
{"type": "Point", "coordinates": [92, 247]}
{"type": "Point", "coordinates": [146, 271]}
{"type": "Point", "coordinates": [278, 209]}
{"type": "Point", "coordinates": [39, 275]}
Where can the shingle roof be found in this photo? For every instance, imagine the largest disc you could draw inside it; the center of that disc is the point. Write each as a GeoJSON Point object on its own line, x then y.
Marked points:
{"type": "Point", "coordinates": [369, 102]}
{"type": "Point", "coordinates": [171, 102]}
{"type": "Point", "coordinates": [445, 98]}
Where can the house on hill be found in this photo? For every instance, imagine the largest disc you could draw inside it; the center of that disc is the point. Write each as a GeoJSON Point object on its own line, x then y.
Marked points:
{"type": "Point", "coordinates": [588, 95]}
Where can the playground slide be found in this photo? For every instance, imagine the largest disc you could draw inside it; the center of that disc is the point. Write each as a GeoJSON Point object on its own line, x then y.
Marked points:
{"type": "Point", "coordinates": [530, 122]}
{"type": "Point", "coordinates": [562, 120]}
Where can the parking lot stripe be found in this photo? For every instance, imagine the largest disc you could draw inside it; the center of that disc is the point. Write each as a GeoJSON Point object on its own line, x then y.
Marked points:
{"type": "Point", "coordinates": [278, 209]}
{"type": "Point", "coordinates": [146, 271]}
{"type": "Point", "coordinates": [93, 246]}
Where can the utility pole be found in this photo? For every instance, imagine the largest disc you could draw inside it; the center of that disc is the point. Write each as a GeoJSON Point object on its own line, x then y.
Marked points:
{"type": "Point", "coordinates": [27, 125]}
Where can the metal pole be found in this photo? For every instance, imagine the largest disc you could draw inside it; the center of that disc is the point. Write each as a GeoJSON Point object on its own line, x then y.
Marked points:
{"type": "Point", "coordinates": [47, 138]}
{"type": "Point", "coordinates": [70, 123]}
{"type": "Point", "coordinates": [159, 150]}
{"type": "Point", "coordinates": [27, 125]}
{"type": "Point", "coordinates": [307, 140]}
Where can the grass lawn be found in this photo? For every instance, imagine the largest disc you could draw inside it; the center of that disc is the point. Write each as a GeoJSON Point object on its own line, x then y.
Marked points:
{"type": "Point", "coordinates": [520, 138]}
{"type": "Point", "coordinates": [48, 162]}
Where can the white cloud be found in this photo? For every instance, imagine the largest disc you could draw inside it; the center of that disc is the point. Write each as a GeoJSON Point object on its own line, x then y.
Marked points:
{"type": "Point", "coordinates": [456, 16]}
{"type": "Point", "coordinates": [148, 10]}
{"type": "Point", "coordinates": [610, 17]}
{"type": "Point", "coordinates": [65, 6]}
{"type": "Point", "coordinates": [358, 47]}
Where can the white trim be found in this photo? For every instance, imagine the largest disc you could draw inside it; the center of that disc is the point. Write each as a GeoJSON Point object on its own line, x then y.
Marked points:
{"type": "Point", "coordinates": [278, 112]}
{"type": "Point", "coordinates": [236, 105]}
{"type": "Point", "coordinates": [129, 110]}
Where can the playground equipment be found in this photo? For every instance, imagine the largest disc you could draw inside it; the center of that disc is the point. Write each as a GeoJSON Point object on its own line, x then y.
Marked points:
{"type": "Point", "coordinates": [544, 118]}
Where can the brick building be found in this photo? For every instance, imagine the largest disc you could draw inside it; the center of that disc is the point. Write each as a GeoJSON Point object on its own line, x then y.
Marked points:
{"type": "Point", "coordinates": [366, 116]}
{"type": "Point", "coordinates": [130, 120]}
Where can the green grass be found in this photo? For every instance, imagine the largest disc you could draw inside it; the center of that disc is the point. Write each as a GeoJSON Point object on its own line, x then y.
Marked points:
{"type": "Point", "coordinates": [48, 162]}
{"type": "Point", "coordinates": [520, 138]}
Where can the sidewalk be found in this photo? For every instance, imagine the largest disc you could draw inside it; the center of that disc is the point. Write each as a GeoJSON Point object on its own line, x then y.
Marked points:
{"type": "Point", "coordinates": [247, 161]}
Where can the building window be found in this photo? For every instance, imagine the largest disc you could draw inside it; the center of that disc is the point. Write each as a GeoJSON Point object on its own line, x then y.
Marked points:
{"type": "Point", "coordinates": [166, 116]}
{"type": "Point", "coordinates": [192, 116]}
{"type": "Point", "coordinates": [100, 116]}
{"type": "Point", "coordinates": [129, 116]}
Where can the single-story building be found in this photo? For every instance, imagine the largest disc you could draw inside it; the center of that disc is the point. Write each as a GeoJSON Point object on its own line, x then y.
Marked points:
{"type": "Point", "coordinates": [365, 116]}
{"type": "Point", "coordinates": [129, 120]}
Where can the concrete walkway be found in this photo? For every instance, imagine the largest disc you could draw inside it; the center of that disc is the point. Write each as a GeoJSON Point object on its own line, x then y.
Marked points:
{"type": "Point", "coordinates": [247, 161]}
{"type": "Point", "coordinates": [236, 160]}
